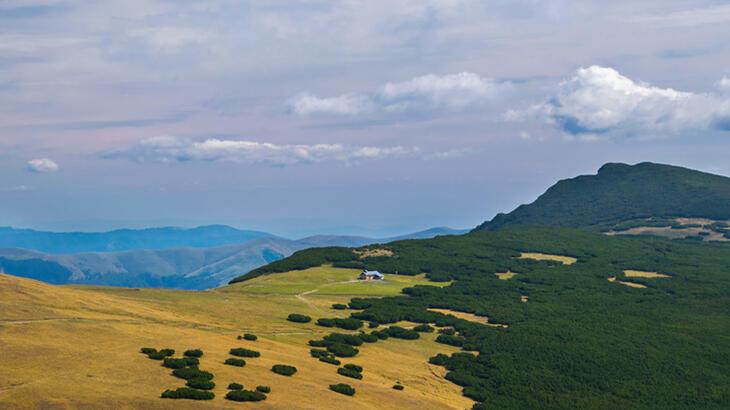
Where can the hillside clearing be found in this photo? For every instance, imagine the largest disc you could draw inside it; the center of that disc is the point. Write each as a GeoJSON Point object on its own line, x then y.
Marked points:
{"type": "Point", "coordinates": [505, 275]}
{"type": "Point", "coordinates": [72, 347]}
{"type": "Point", "coordinates": [629, 284]}
{"type": "Point", "coordinates": [643, 274]}
{"type": "Point", "coordinates": [565, 260]}
{"type": "Point", "coordinates": [469, 316]}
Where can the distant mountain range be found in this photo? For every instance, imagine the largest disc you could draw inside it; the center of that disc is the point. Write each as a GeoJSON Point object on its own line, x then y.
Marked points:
{"type": "Point", "coordinates": [125, 239]}
{"type": "Point", "coordinates": [621, 192]}
{"type": "Point", "coordinates": [189, 266]}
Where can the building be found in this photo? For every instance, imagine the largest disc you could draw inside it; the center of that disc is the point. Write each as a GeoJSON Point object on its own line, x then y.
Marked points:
{"type": "Point", "coordinates": [371, 275]}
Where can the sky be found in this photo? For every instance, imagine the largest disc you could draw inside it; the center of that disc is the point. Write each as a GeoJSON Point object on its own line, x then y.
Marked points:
{"type": "Point", "coordinates": [359, 117]}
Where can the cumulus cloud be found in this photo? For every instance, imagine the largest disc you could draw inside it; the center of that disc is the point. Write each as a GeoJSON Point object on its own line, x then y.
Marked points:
{"type": "Point", "coordinates": [428, 92]}
{"type": "Point", "coordinates": [42, 165]}
{"type": "Point", "coordinates": [177, 149]}
{"type": "Point", "coordinates": [600, 101]}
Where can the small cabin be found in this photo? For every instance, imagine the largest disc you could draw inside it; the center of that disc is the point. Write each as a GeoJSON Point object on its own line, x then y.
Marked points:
{"type": "Point", "coordinates": [371, 275]}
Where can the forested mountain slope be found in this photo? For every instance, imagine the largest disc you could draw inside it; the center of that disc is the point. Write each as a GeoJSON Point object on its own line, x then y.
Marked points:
{"type": "Point", "coordinates": [633, 323]}
{"type": "Point", "coordinates": [621, 192]}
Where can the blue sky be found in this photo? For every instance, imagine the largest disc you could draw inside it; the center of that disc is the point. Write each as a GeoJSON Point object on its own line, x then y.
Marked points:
{"type": "Point", "coordinates": [363, 117]}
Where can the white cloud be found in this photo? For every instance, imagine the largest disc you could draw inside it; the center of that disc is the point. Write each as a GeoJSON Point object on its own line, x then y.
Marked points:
{"type": "Point", "coordinates": [428, 92]}
{"type": "Point", "coordinates": [600, 101]}
{"type": "Point", "coordinates": [724, 84]}
{"type": "Point", "coordinates": [42, 165]}
{"type": "Point", "coordinates": [177, 149]}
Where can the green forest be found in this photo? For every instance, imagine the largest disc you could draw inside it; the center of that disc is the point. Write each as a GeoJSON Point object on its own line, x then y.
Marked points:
{"type": "Point", "coordinates": [581, 341]}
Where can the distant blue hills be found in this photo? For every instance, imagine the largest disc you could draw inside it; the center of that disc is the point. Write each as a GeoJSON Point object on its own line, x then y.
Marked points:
{"type": "Point", "coordinates": [196, 258]}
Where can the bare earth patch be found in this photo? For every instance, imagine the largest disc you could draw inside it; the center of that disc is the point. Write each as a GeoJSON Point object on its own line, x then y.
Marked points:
{"type": "Point", "coordinates": [565, 260]}
{"type": "Point", "coordinates": [643, 274]}
{"type": "Point", "coordinates": [629, 284]}
{"type": "Point", "coordinates": [524, 299]}
{"type": "Point", "coordinates": [505, 275]}
{"type": "Point", "coordinates": [371, 253]}
{"type": "Point", "coordinates": [469, 316]}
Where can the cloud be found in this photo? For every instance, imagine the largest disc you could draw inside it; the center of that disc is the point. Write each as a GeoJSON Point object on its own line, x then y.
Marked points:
{"type": "Point", "coordinates": [600, 101]}
{"type": "Point", "coordinates": [687, 18]}
{"type": "Point", "coordinates": [429, 92]}
{"type": "Point", "coordinates": [724, 84]}
{"type": "Point", "coordinates": [177, 149]}
{"type": "Point", "coordinates": [42, 165]}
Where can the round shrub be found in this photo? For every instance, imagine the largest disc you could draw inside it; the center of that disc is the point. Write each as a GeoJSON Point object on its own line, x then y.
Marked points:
{"type": "Point", "coordinates": [424, 328]}
{"type": "Point", "coordinates": [326, 322]}
{"type": "Point", "coordinates": [339, 306]}
{"type": "Point", "coordinates": [235, 362]}
{"type": "Point", "coordinates": [193, 353]}
{"type": "Point", "coordinates": [447, 331]}
{"type": "Point", "coordinates": [373, 325]}
{"type": "Point", "coordinates": [398, 387]}
{"type": "Point", "coordinates": [368, 337]}
{"type": "Point", "coordinates": [456, 341]}
{"type": "Point", "coordinates": [201, 384]}
{"type": "Point", "coordinates": [167, 352]}
{"type": "Point", "coordinates": [329, 360]}
{"type": "Point", "coordinates": [245, 395]}
{"type": "Point", "coordinates": [317, 343]}
{"type": "Point", "coordinates": [243, 352]}
{"type": "Point", "coordinates": [439, 360]}
{"type": "Point", "coordinates": [353, 367]}
{"type": "Point", "coordinates": [263, 389]}
{"type": "Point", "coordinates": [352, 340]}
{"type": "Point", "coordinates": [251, 337]}
{"type": "Point", "coordinates": [342, 350]}
{"type": "Point", "coordinates": [402, 333]}
{"type": "Point", "coordinates": [283, 369]}
{"type": "Point", "coordinates": [173, 363]}
{"type": "Point", "coordinates": [235, 386]}
{"type": "Point", "coordinates": [343, 388]}
{"type": "Point", "coordinates": [189, 373]}
{"type": "Point", "coordinates": [148, 350]}
{"type": "Point", "coordinates": [319, 353]}
{"type": "Point", "coordinates": [191, 361]}
{"type": "Point", "coordinates": [297, 318]}
{"type": "Point", "coordinates": [157, 355]}
{"type": "Point", "coordinates": [187, 393]}
{"type": "Point", "coordinates": [349, 373]}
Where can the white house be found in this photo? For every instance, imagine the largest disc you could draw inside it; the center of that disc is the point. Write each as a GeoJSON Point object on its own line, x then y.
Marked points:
{"type": "Point", "coordinates": [371, 275]}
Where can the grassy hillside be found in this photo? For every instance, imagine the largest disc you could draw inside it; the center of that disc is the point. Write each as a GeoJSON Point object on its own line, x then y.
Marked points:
{"type": "Point", "coordinates": [78, 347]}
{"type": "Point", "coordinates": [633, 323]}
{"type": "Point", "coordinates": [621, 192]}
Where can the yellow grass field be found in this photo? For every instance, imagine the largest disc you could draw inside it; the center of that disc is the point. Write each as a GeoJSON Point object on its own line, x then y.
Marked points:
{"type": "Point", "coordinates": [469, 316]}
{"type": "Point", "coordinates": [629, 284]}
{"type": "Point", "coordinates": [70, 347]}
{"type": "Point", "coordinates": [505, 275]}
{"type": "Point", "coordinates": [643, 274]}
{"type": "Point", "coordinates": [565, 260]}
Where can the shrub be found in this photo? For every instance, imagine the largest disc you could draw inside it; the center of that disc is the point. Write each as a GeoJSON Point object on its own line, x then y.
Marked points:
{"type": "Point", "coordinates": [173, 363]}
{"type": "Point", "coordinates": [343, 388]}
{"type": "Point", "coordinates": [243, 352]}
{"type": "Point", "coordinates": [373, 325]}
{"type": "Point", "coordinates": [347, 324]}
{"type": "Point", "coordinates": [157, 355]}
{"type": "Point", "coordinates": [339, 306]}
{"type": "Point", "coordinates": [189, 373]}
{"type": "Point", "coordinates": [329, 360]}
{"type": "Point", "coordinates": [439, 360]}
{"type": "Point", "coordinates": [318, 353]}
{"type": "Point", "coordinates": [187, 393]}
{"type": "Point", "coordinates": [423, 328]}
{"type": "Point", "coordinates": [457, 341]}
{"type": "Point", "coordinates": [201, 384]}
{"type": "Point", "coordinates": [148, 350]}
{"type": "Point", "coordinates": [401, 333]}
{"type": "Point", "coordinates": [368, 338]}
{"type": "Point", "coordinates": [193, 353]}
{"type": "Point", "coordinates": [317, 343]}
{"type": "Point", "coordinates": [191, 361]}
{"type": "Point", "coordinates": [251, 337]}
{"type": "Point", "coordinates": [235, 386]}
{"type": "Point", "coordinates": [235, 362]}
{"type": "Point", "coordinates": [342, 350]}
{"type": "Point", "coordinates": [263, 389]}
{"type": "Point", "coordinates": [297, 318]}
{"type": "Point", "coordinates": [349, 373]}
{"type": "Point", "coordinates": [447, 331]}
{"type": "Point", "coordinates": [352, 340]}
{"type": "Point", "coordinates": [283, 369]}
{"type": "Point", "coordinates": [167, 352]}
{"type": "Point", "coordinates": [380, 334]}
{"type": "Point", "coordinates": [353, 367]}
{"type": "Point", "coordinates": [398, 386]}
{"type": "Point", "coordinates": [245, 395]}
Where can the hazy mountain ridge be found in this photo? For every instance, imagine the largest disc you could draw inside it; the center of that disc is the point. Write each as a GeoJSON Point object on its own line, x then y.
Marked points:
{"type": "Point", "coordinates": [125, 239]}
{"type": "Point", "coordinates": [184, 268]}
{"type": "Point", "coordinates": [621, 192]}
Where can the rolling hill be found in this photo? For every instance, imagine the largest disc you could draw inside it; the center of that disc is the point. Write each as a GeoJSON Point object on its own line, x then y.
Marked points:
{"type": "Point", "coordinates": [181, 268]}
{"type": "Point", "coordinates": [621, 192]}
